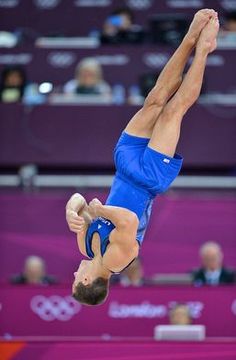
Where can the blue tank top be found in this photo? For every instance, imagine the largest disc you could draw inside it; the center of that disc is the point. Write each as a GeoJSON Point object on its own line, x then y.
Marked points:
{"type": "Point", "coordinates": [126, 195]}
{"type": "Point", "coordinates": [103, 227]}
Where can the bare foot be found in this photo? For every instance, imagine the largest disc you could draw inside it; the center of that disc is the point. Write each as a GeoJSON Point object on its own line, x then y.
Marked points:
{"type": "Point", "coordinates": [200, 20]}
{"type": "Point", "coordinates": [207, 40]}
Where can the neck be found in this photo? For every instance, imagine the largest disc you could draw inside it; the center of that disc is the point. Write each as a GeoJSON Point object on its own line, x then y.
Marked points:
{"type": "Point", "coordinates": [101, 270]}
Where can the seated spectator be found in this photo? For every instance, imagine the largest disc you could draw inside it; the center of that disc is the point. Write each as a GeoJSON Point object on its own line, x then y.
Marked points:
{"type": "Point", "coordinates": [131, 276]}
{"type": "Point", "coordinates": [180, 315]}
{"type": "Point", "coordinates": [34, 273]}
{"type": "Point", "coordinates": [119, 28]}
{"type": "Point", "coordinates": [14, 87]}
{"type": "Point", "coordinates": [212, 271]}
{"type": "Point", "coordinates": [227, 34]}
{"type": "Point", "coordinates": [88, 79]}
{"type": "Point", "coordinates": [230, 22]}
{"type": "Point", "coordinates": [13, 84]}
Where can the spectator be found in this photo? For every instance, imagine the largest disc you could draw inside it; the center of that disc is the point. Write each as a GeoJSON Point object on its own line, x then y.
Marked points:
{"type": "Point", "coordinates": [14, 87]}
{"type": "Point", "coordinates": [34, 273]}
{"type": "Point", "coordinates": [230, 21]}
{"type": "Point", "coordinates": [13, 84]}
{"type": "Point", "coordinates": [88, 79]}
{"type": "Point", "coordinates": [227, 34]}
{"type": "Point", "coordinates": [212, 271]}
{"type": "Point", "coordinates": [180, 315]}
{"type": "Point", "coordinates": [119, 28]}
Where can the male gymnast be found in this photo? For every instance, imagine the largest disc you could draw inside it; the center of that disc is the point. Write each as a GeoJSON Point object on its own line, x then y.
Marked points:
{"type": "Point", "coordinates": [146, 164]}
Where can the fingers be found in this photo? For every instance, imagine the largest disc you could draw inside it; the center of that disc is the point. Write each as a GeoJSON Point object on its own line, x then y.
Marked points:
{"type": "Point", "coordinates": [75, 222]}
{"type": "Point", "coordinates": [73, 217]}
{"type": "Point", "coordinates": [95, 202]}
{"type": "Point", "coordinates": [94, 206]}
{"type": "Point", "coordinates": [76, 229]}
{"type": "Point", "coordinates": [76, 202]}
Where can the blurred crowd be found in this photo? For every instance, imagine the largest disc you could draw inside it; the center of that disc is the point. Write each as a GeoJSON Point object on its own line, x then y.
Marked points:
{"type": "Point", "coordinates": [212, 271]}
{"type": "Point", "coordinates": [89, 79]}
{"type": "Point", "coordinates": [120, 27]}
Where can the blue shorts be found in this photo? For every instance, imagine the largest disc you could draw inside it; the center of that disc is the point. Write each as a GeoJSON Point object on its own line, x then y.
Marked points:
{"type": "Point", "coordinates": [143, 166]}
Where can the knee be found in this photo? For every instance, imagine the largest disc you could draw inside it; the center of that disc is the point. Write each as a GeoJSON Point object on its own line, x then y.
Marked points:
{"type": "Point", "coordinates": [187, 99]}
{"type": "Point", "coordinates": [157, 97]}
{"type": "Point", "coordinates": [174, 110]}
{"type": "Point", "coordinates": [179, 105]}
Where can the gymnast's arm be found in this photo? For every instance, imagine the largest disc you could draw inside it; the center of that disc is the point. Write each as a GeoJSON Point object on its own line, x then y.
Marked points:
{"type": "Point", "coordinates": [78, 219]}
{"type": "Point", "coordinates": [123, 245]}
{"type": "Point", "coordinates": [122, 218]}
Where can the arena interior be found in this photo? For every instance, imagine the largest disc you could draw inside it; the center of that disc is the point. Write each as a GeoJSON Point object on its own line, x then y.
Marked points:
{"type": "Point", "coordinates": [73, 73]}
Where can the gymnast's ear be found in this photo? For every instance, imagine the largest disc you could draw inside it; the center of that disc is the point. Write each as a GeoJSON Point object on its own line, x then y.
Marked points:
{"type": "Point", "coordinates": [92, 294]}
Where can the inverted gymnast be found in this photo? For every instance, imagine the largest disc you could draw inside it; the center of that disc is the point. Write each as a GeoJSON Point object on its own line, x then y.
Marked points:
{"type": "Point", "coordinates": [110, 235]}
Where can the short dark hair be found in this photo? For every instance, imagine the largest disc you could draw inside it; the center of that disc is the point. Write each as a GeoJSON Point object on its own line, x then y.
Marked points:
{"type": "Point", "coordinates": [92, 294]}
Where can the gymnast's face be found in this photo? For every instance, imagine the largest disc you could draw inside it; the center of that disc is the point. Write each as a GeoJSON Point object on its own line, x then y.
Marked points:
{"type": "Point", "coordinates": [86, 273]}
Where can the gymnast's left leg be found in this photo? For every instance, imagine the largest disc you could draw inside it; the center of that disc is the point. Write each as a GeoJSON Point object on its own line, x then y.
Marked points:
{"type": "Point", "coordinates": [166, 132]}
{"type": "Point", "coordinates": [168, 82]}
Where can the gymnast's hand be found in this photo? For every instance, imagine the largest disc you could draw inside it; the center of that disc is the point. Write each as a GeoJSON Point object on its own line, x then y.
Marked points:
{"type": "Point", "coordinates": [94, 207]}
{"type": "Point", "coordinates": [75, 222]}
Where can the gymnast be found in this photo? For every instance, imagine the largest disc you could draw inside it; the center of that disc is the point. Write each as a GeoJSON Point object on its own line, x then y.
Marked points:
{"type": "Point", "coordinates": [110, 235]}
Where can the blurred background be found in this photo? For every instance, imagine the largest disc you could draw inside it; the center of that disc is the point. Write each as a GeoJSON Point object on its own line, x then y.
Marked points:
{"type": "Point", "coordinates": [72, 74]}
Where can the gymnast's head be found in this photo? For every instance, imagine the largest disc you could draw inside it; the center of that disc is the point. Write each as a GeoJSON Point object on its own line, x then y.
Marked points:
{"type": "Point", "coordinates": [89, 286]}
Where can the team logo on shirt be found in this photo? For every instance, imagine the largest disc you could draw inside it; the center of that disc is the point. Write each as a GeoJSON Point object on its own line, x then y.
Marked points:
{"type": "Point", "coordinates": [105, 221]}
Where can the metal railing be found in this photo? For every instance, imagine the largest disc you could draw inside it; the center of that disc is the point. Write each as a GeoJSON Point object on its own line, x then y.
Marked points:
{"type": "Point", "coordinates": [104, 181]}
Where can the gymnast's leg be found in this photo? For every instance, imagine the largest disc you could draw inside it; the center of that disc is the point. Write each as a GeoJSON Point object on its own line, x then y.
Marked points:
{"type": "Point", "coordinates": [166, 132]}
{"type": "Point", "coordinates": [170, 79]}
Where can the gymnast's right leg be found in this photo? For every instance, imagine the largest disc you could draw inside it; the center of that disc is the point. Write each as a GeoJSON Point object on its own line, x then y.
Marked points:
{"type": "Point", "coordinates": [143, 122]}
{"type": "Point", "coordinates": [166, 132]}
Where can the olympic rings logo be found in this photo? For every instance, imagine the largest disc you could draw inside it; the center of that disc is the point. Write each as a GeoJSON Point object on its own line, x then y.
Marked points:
{"type": "Point", "coordinates": [54, 307]}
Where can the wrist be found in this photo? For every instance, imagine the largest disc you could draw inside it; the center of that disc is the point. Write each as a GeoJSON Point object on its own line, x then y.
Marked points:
{"type": "Point", "coordinates": [98, 211]}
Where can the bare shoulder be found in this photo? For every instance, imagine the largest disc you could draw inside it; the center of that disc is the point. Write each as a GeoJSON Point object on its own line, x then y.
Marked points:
{"type": "Point", "coordinates": [124, 237]}
{"type": "Point", "coordinates": [124, 243]}
{"type": "Point", "coordinates": [118, 256]}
